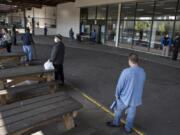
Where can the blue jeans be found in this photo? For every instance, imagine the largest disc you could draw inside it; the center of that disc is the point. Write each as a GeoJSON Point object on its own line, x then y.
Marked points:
{"type": "Point", "coordinates": [27, 49]}
{"type": "Point", "coordinates": [131, 112]}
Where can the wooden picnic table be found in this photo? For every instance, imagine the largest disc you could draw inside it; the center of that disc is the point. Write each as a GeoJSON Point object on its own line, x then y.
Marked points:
{"type": "Point", "coordinates": [24, 116]}
{"type": "Point", "coordinates": [2, 49]}
{"type": "Point", "coordinates": [85, 37]}
{"type": "Point", "coordinates": [11, 58]}
{"type": "Point", "coordinates": [19, 74]}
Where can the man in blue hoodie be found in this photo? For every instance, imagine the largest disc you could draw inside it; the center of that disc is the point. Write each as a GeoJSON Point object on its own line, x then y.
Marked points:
{"type": "Point", "coordinates": [27, 44]}
{"type": "Point", "coordinates": [166, 44]}
{"type": "Point", "coordinates": [129, 92]}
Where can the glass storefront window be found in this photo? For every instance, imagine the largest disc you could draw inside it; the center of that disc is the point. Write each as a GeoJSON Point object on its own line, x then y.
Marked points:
{"type": "Point", "coordinates": [126, 32]}
{"type": "Point", "coordinates": [158, 31]}
{"type": "Point", "coordinates": [2, 19]}
{"type": "Point", "coordinates": [144, 10]}
{"type": "Point", "coordinates": [101, 12]}
{"type": "Point", "coordinates": [112, 12]}
{"type": "Point", "coordinates": [143, 23]}
{"type": "Point", "coordinates": [146, 29]}
{"type": "Point", "coordinates": [92, 13]}
{"type": "Point", "coordinates": [84, 13]}
{"type": "Point", "coordinates": [128, 11]}
{"type": "Point", "coordinates": [165, 9]}
{"type": "Point", "coordinates": [142, 34]}
{"type": "Point", "coordinates": [178, 12]}
{"type": "Point", "coordinates": [17, 20]}
{"type": "Point", "coordinates": [177, 27]}
{"type": "Point", "coordinates": [111, 31]}
{"type": "Point", "coordinates": [85, 28]}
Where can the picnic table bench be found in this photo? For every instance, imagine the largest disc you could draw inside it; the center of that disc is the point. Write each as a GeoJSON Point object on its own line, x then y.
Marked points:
{"type": "Point", "coordinates": [11, 58]}
{"type": "Point", "coordinates": [27, 91]}
{"type": "Point", "coordinates": [19, 74]}
{"type": "Point", "coordinates": [85, 37]}
{"type": "Point", "coordinates": [21, 117]}
{"type": "Point", "coordinates": [2, 49]}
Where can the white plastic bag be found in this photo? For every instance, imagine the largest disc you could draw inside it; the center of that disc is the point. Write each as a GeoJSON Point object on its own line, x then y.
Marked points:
{"type": "Point", "coordinates": [48, 65]}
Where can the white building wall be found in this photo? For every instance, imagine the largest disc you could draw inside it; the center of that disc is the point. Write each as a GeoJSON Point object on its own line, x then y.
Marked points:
{"type": "Point", "coordinates": [67, 16]}
{"type": "Point", "coordinates": [50, 12]}
{"type": "Point", "coordinates": [39, 12]}
{"type": "Point", "coordinates": [42, 15]}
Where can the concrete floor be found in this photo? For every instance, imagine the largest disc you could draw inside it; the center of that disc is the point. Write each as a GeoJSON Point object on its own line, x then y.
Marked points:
{"type": "Point", "coordinates": [91, 120]}
{"type": "Point", "coordinates": [95, 69]}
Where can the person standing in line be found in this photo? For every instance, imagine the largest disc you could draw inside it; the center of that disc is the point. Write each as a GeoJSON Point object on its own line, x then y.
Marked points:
{"type": "Point", "coordinates": [128, 94]}
{"type": "Point", "coordinates": [14, 35]}
{"type": "Point", "coordinates": [7, 39]}
{"type": "Point", "coordinates": [71, 34]}
{"type": "Point", "coordinates": [176, 46]}
{"type": "Point", "coordinates": [166, 44]}
{"type": "Point", "coordinates": [93, 35]}
{"type": "Point", "coordinates": [57, 58]}
{"type": "Point", "coordinates": [27, 45]}
{"type": "Point", "coordinates": [1, 35]}
{"type": "Point", "coordinates": [45, 30]}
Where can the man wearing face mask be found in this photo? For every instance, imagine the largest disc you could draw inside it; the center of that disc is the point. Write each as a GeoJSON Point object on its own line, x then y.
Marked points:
{"type": "Point", "coordinates": [166, 44]}
{"type": "Point", "coordinates": [57, 58]}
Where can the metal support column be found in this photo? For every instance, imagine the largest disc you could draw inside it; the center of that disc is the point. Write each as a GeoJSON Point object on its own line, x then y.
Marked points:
{"type": "Point", "coordinates": [33, 23]}
{"type": "Point", "coordinates": [118, 26]}
{"type": "Point", "coordinates": [25, 20]}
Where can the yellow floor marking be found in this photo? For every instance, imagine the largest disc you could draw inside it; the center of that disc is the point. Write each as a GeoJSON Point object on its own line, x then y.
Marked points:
{"type": "Point", "coordinates": [104, 109]}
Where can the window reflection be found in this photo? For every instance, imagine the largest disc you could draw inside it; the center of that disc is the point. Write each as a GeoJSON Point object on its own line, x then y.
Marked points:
{"type": "Point", "coordinates": [126, 32]}
{"type": "Point", "coordinates": [128, 11]}
{"type": "Point", "coordinates": [165, 9]}
{"type": "Point", "coordinates": [144, 23]}
{"type": "Point", "coordinates": [92, 13]}
{"type": "Point", "coordinates": [101, 12]}
{"type": "Point", "coordinates": [113, 12]}
{"type": "Point", "coordinates": [84, 13]}
{"type": "Point", "coordinates": [111, 30]}
{"type": "Point", "coordinates": [144, 11]}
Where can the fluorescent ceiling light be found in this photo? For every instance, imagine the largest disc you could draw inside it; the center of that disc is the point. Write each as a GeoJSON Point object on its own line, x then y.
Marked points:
{"type": "Point", "coordinates": [159, 5]}
{"type": "Point", "coordinates": [172, 17]}
{"type": "Point", "coordinates": [151, 5]}
{"type": "Point", "coordinates": [140, 9]}
{"type": "Point", "coordinates": [169, 8]}
{"type": "Point", "coordinates": [159, 13]}
{"type": "Point", "coordinates": [126, 7]}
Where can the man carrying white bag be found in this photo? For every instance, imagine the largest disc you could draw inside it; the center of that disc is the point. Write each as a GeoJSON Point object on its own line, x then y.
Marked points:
{"type": "Point", "coordinates": [57, 59]}
{"type": "Point", "coordinates": [48, 65]}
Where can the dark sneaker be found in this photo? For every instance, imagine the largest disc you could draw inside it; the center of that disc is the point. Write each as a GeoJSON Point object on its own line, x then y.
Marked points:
{"type": "Point", "coordinates": [110, 124]}
{"type": "Point", "coordinates": [127, 132]}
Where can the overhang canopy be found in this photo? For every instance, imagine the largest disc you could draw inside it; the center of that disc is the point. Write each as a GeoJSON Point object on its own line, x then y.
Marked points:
{"type": "Point", "coordinates": [28, 3]}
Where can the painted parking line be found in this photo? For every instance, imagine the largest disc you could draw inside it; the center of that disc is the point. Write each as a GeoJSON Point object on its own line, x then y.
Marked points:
{"type": "Point", "coordinates": [103, 108]}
